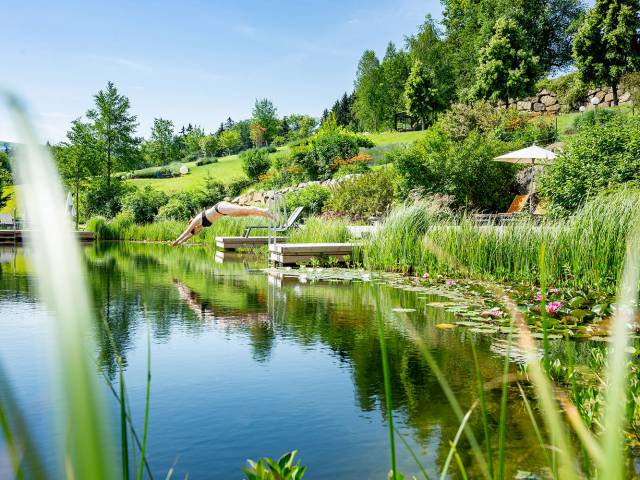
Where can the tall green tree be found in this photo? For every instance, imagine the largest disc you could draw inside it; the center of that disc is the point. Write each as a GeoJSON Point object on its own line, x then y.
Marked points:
{"type": "Point", "coordinates": [75, 159]}
{"type": "Point", "coordinates": [265, 116]}
{"type": "Point", "coordinates": [507, 66]}
{"type": "Point", "coordinates": [607, 44]}
{"type": "Point", "coordinates": [209, 145]}
{"type": "Point", "coordinates": [368, 106]}
{"type": "Point", "coordinates": [230, 141]}
{"type": "Point", "coordinates": [423, 99]}
{"type": "Point", "coordinates": [162, 147]}
{"type": "Point", "coordinates": [114, 129]}
{"type": "Point", "coordinates": [395, 71]}
{"type": "Point", "coordinates": [191, 140]}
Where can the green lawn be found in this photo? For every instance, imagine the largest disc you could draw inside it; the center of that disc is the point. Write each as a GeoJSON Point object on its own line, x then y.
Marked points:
{"type": "Point", "coordinates": [230, 168]}
{"type": "Point", "coordinates": [11, 205]}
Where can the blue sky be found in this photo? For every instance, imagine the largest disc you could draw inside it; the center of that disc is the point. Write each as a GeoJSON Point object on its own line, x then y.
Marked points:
{"type": "Point", "coordinates": [191, 61]}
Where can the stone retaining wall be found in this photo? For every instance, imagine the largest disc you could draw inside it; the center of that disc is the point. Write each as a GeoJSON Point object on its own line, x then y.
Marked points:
{"type": "Point", "coordinates": [262, 197]}
{"type": "Point", "coordinates": [547, 102]}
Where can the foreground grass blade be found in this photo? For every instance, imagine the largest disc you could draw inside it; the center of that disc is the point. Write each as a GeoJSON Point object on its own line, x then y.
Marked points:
{"type": "Point", "coordinates": [413, 455]}
{"type": "Point", "coordinates": [502, 435]}
{"type": "Point", "coordinates": [143, 449]}
{"type": "Point", "coordinates": [463, 425]}
{"type": "Point", "coordinates": [614, 416]}
{"type": "Point", "coordinates": [483, 410]}
{"type": "Point", "coordinates": [387, 382]}
{"type": "Point", "coordinates": [61, 286]}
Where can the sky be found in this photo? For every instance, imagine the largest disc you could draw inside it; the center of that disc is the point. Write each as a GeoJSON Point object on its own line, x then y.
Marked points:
{"type": "Point", "coordinates": [191, 61]}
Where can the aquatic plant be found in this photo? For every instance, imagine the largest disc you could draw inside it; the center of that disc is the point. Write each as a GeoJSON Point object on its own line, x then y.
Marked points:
{"type": "Point", "coordinates": [268, 469]}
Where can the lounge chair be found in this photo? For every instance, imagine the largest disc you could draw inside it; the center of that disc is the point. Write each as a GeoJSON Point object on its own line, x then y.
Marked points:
{"type": "Point", "coordinates": [517, 207]}
{"type": "Point", "coordinates": [291, 221]}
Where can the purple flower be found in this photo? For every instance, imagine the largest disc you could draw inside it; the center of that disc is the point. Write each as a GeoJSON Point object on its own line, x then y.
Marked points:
{"type": "Point", "coordinates": [450, 282]}
{"type": "Point", "coordinates": [537, 297]}
{"type": "Point", "coordinates": [553, 307]}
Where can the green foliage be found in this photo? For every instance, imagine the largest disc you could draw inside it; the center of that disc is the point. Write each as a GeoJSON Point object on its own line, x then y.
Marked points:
{"type": "Point", "coordinates": [368, 107]}
{"type": "Point", "coordinates": [4, 197]}
{"type": "Point", "coordinates": [312, 198]}
{"type": "Point", "coordinates": [181, 206]}
{"type": "Point", "coordinates": [104, 197]}
{"type": "Point", "coordinates": [206, 161]}
{"type": "Point", "coordinates": [423, 98]}
{"type": "Point", "coordinates": [507, 67]}
{"type": "Point", "coordinates": [605, 46]}
{"type": "Point", "coordinates": [364, 196]}
{"type": "Point", "coordinates": [143, 204]}
{"type": "Point", "coordinates": [594, 160]}
{"type": "Point", "coordinates": [570, 89]}
{"type": "Point", "coordinates": [211, 193]}
{"type": "Point", "coordinates": [320, 230]}
{"type": "Point", "coordinates": [268, 469]}
{"type": "Point", "coordinates": [598, 116]}
{"type": "Point", "coordinates": [462, 119]}
{"type": "Point", "coordinates": [237, 185]}
{"type": "Point", "coordinates": [265, 116]}
{"type": "Point", "coordinates": [209, 145]}
{"type": "Point", "coordinates": [463, 169]}
{"type": "Point", "coordinates": [255, 162]}
{"type": "Point", "coordinates": [191, 142]}
{"type": "Point", "coordinates": [630, 82]}
{"type": "Point", "coordinates": [229, 141]}
{"type": "Point", "coordinates": [324, 149]}
{"type": "Point", "coordinates": [113, 131]}
{"type": "Point", "coordinates": [161, 148]}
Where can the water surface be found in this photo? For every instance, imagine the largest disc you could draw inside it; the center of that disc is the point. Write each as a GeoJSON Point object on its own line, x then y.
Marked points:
{"type": "Point", "coordinates": [246, 365]}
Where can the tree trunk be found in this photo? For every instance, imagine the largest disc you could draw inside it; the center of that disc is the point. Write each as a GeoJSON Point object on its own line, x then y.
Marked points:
{"type": "Point", "coordinates": [614, 87]}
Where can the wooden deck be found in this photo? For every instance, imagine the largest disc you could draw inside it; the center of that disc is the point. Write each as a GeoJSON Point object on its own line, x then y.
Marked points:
{"type": "Point", "coordinates": [298, 253]}
{"type": "Point", "coordinates": [235, 243]}
{"type": "Point", "coordinates": [14, 237]}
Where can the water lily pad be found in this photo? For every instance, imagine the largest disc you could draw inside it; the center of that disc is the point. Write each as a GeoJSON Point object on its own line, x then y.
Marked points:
{"type": "Point", "coordinates": [485, 329]}
{"type": "Point", "coordinates": [466, 323]}
{"type": "Point", "coordinates": [550, 336]}
{"type": "Point", "coordinates": [445, 326]}
{"type": "Point", "coordinates": [440, 304]}
{"type": "Point", "coordinates": [577, 302]}
{"type": "Point", "coordinates": [404, 310]}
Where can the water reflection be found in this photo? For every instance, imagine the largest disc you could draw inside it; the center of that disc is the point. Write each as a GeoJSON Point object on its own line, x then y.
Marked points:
{"type": "Point", "coordinates": [184, 295]}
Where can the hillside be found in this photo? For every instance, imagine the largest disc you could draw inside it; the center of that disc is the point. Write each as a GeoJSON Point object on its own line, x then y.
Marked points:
{"type": "Point", "coordinates": [230, 167]}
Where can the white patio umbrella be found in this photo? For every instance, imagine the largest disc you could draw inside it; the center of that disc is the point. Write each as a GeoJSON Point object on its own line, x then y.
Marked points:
{"type": "Point", "coordinates": [533, 155]}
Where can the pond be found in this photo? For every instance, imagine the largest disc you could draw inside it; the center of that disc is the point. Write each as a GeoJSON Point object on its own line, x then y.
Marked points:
{"type": "Point", "coordinates": [245, 364]}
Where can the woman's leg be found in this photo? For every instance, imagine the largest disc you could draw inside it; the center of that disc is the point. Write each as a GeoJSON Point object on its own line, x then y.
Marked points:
{"type": "Point", "coordinates": [233, 210]}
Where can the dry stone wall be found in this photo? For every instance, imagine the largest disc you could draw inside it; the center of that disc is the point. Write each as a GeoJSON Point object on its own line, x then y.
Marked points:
{"type": "Point", "coordinates": [262, 197]}
{"type": "Point", "coordinates": [548, 102]}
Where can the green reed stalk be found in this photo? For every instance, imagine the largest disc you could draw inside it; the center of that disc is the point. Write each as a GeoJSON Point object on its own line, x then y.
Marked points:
{"type": "Point", "coordinates": [413, 454]}
{"type": "Point", "coordinates": [543, 308]}
{"type": "Point", "coordinates": [483, 410]}
{"type": "Point", "coordinates": [502, 429]}
{"type": "Point", "coordinates": [387, 382]}
{"type": "Point", "coordinates": [452, 449]}
{"type": "Point", "coordinates": [60, 281]}
{"type": "Point", "coordinates": [143, 448]}
{"type": "Point", "coordinates": [123, 427]}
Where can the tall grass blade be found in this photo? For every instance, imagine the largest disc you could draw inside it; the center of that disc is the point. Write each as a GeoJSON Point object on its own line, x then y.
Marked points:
{"type": "Point", "coordinates": [61, 285]}
{"type": "Point", "coordinates": [483, 410]}
{"type": "Point", "coordinates": [502, 429]}
{"type": "Point", "coordinates": [616, 379]}
{"type": "Point", "coordinates": [387, 382]}
{"type": "Point", "coordinates": [465, 419]}
{"type": "Point", "coordinates": [124, 444]}
{"type": "Point", "coordinates": [143, 448]}
{"type": "Point", "coordinates": [536, 428]}
{"type": "Point", "coordinates": [413, 455]}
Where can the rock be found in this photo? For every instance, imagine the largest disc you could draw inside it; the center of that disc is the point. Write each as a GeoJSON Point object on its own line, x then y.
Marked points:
{"type": "Point", "coordinates": [542, 92]}
{"type": "Point", "coordinates": [524, 105]}
{"type": "Point", "coordinates": [236, 199]}
{"type": "Point", "coordinates": [608, 97]}
{"type": "Point", "coordinates": [600, 94]}
{"type": "Point", "coordinates": [554, 108]}
{"type": "Point", "coordinates": [548, 100]}
{"type": "Point", "coordinates": [538, 107]}
{"type": "Point", "coordinates": [624, 98]}
{"type": "Point", "coordinates": [606, 103]}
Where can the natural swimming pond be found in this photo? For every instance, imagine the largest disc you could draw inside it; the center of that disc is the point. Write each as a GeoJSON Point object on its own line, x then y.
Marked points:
{"type": "Point", "coordinates": [245, 364]}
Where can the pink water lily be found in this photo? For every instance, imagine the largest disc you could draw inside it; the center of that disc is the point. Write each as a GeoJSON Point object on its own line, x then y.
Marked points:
{"type": "Point", "coordinates": [492, 313]}
{"type": "Point", "coordinates": [537, 297]}
{"type": "Point", "coordinates": [553, 307]}
{"type": "Point", "coordinates": [425, 275]}
{"type": "Point", "coordinates": [450, 282]}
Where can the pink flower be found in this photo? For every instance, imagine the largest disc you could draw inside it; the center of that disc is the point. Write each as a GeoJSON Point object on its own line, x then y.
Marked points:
{"type": "Point", "coordinates": [492, 313]}
{"type": "Point", "coordinates": [537, 297]}
{"type": "Point", "coordinates": [553, 307]}
{"type": "Point", "coordinates": [425, 275]}
{"type": "Point", "coordinates": [450, 282]}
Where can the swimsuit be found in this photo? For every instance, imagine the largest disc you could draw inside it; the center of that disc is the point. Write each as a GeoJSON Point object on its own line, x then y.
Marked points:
{"type": "Point", "coordinates": [205, 221]}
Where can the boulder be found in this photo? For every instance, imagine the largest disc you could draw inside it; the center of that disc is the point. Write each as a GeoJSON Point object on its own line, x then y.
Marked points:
{"type": "Point", "coordinates": [524, 105]}
{"type": "Point", "coordinates": [608, 97]}
{"type": "Point", "coordinates": [548, 100]}
{"type": "Point", "coordinates": [624, 98]}
{"type": "Point", "coordinates": [538, 107]}
{"type": "Point", "coordinates": [554, 108]}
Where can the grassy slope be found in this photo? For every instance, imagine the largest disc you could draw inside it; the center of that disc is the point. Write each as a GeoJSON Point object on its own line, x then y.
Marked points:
{"type": "Point", "coordinates": [11, 205]}
{"type": "Point", "coordinates": [229, 168]}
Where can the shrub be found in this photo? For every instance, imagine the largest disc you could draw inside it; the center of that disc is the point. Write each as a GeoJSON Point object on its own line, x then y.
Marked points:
{"type": "Point", "coordinates": [123, 220]}
{"type": "Point", "coordinates": [236, 185]}
{"type": "Point", "coordinates": [312, 198]}
{"type": "Point", "coordinates": [206, 161]}
{"type": "Point", "coordinates": [255, 162]}
{"type": "Point", "coordinates": [357, 164]}
{"type": "Point", "coordinates": [571, 91]}
{"type": "Point", "coordinates": [181, 206]}
{"type": "Point", "coordinates": [271, 149]}
{"type": "Point", "coordinates": [211, 193]}
{"type": "Point", "coordinates": [101, 198]}
{"type": "Point", "coordinates": [324, 149]}
{"type": "Point", "coordinates": [144, 203]}
{"type": "Point", "coordinates": [598, 116]}
{"type": "Point", "coordinates": [595, 159]}
{"type": "Point", "coordinates": [364, 196]}
{"type": "Point", "coordinates": [97, 225]}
